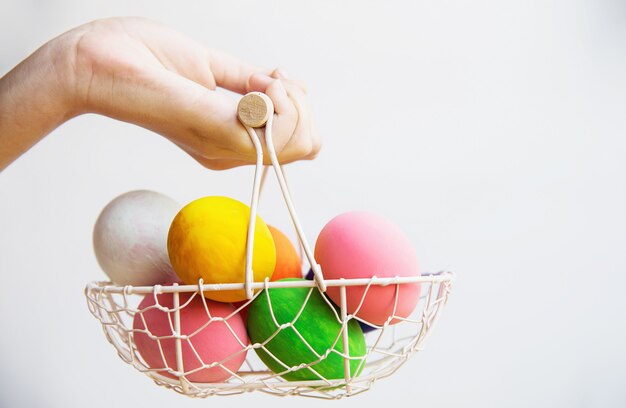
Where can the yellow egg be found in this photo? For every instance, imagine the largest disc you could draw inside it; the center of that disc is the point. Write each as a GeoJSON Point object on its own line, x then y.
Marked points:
{"type": "Point", "coordinates": [207, 240]}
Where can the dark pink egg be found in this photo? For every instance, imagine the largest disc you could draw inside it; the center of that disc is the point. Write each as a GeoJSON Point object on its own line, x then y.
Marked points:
{"type": "Point", "coordinates": [212, 342]}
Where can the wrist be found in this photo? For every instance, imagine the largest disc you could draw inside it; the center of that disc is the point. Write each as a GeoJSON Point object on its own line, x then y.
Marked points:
{"type": "Point", "coordinates": [35, 97]}
{"type": "Point", "coordinates": [64, 81]}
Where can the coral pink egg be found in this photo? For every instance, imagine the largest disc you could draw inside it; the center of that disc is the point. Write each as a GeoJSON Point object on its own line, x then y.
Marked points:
{"type": "Point", "coordinates": [361, 245]}
{"type": "Point", "coordinates": [213, 343]}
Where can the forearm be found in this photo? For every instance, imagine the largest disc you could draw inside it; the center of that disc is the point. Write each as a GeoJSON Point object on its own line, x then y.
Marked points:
{"type": "Point", "coordinates": [35, 98]}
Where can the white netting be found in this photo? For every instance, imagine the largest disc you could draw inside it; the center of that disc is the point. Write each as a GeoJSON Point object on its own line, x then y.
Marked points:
{"type": "Point", "coordinates": [387, 346]}
{"type": "Point", "coordinates": [145, 324]}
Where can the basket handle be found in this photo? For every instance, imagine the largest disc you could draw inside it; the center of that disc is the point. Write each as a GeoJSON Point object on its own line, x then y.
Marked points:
{"type": "Point", "coordinates": [256, 110]}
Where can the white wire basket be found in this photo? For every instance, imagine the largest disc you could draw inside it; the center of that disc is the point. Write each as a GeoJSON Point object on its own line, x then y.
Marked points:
{"type": "Point", "coordinates": [387, 346]}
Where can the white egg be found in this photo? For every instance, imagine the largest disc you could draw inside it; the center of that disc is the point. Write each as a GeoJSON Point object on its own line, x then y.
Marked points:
{"type": "Point", "coordinates": [130, 238]}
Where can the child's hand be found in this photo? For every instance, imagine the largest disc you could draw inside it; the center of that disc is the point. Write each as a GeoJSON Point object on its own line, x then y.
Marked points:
{"type": "Point", "coordinates": [141, 72]}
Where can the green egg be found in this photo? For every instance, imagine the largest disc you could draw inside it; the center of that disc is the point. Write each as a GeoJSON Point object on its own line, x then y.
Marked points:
{"type": "Point", "coordinates": [317, 324]}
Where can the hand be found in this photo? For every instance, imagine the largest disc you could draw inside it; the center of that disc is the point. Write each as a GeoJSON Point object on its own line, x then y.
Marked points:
{"type": "Point", "coordinates": [141, 72]}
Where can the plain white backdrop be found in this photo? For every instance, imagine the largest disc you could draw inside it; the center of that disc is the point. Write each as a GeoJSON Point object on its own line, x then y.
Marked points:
{"type": "Point", "coordinates": [493, 132]}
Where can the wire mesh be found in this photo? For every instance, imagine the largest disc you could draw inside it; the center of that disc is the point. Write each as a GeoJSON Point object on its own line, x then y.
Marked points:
{"type": "Point", "coordinates": [387, 346]}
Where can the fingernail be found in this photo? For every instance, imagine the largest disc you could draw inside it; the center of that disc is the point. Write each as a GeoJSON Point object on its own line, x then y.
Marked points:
{"type": "Point", "coordinates": [281, 73]}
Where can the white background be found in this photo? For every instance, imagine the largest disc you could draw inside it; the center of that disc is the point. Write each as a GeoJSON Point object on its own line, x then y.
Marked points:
{"type": "Point", "coordinates": [493, 132]}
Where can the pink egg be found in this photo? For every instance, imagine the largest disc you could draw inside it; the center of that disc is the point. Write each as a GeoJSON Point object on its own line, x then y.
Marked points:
{"type": "Point", "coordinates": [361, 245]}
{"type": "Point", "coordinates": [212, 343]}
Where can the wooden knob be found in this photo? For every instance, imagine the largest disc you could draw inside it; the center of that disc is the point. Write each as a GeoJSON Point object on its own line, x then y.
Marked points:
{"type": "Point", "coordinates": [254, 109]}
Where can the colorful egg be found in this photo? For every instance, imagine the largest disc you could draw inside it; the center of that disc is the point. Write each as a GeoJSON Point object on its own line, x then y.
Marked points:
{"type": "Point", "coordinates": [130, 238]}
{"type": "Point", "coordinates": [288, 264]}
{"type": "Point", "coordinates": [214, 342]}
{"type": "Point", "coordinates": [207, 240]}
{"type": "Point", "coordinates": [362, 245]}
{"type": "Point", "coordinates": [316, 322]}
{"type": "Point", "coordinates": [364, 326]}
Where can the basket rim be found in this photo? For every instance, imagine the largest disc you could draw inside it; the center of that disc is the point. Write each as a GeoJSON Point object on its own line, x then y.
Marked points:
{"type": "Point", "coordinates": [109, 287]}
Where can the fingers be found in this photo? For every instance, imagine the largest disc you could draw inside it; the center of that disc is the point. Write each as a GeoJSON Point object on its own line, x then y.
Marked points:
{"type": "Point", "coordinates": [218, 164]}
{"type": "Point", "coordinates": [285, 113]}
{"type": "Point", "coordinates": [187, 57]}
{"type": "Point", "coordinates": [280, 73]}
{"type": "Point", "coordinates": [204, 122]}
{"type": "Point", "coordinates": [201, 121]}
{"type": "Point", "coordinates": [294, 136]}
{"type": "Point", "coordinates": [231, 73]}
{"type": "Point", "coordinates": [275, 89]}
{"type": "Point", "coordinates": [303, 141]}
{"type": "Point", "coordinates": [286, 116]}
{"type": "Point", "coordinates": [171, 49]}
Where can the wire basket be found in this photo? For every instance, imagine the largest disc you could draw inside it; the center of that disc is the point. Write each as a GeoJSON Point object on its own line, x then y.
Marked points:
{"type": "Point", "coordinates": [178, 362]}
{"type": "Point", "coordinates": [388, 347]}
